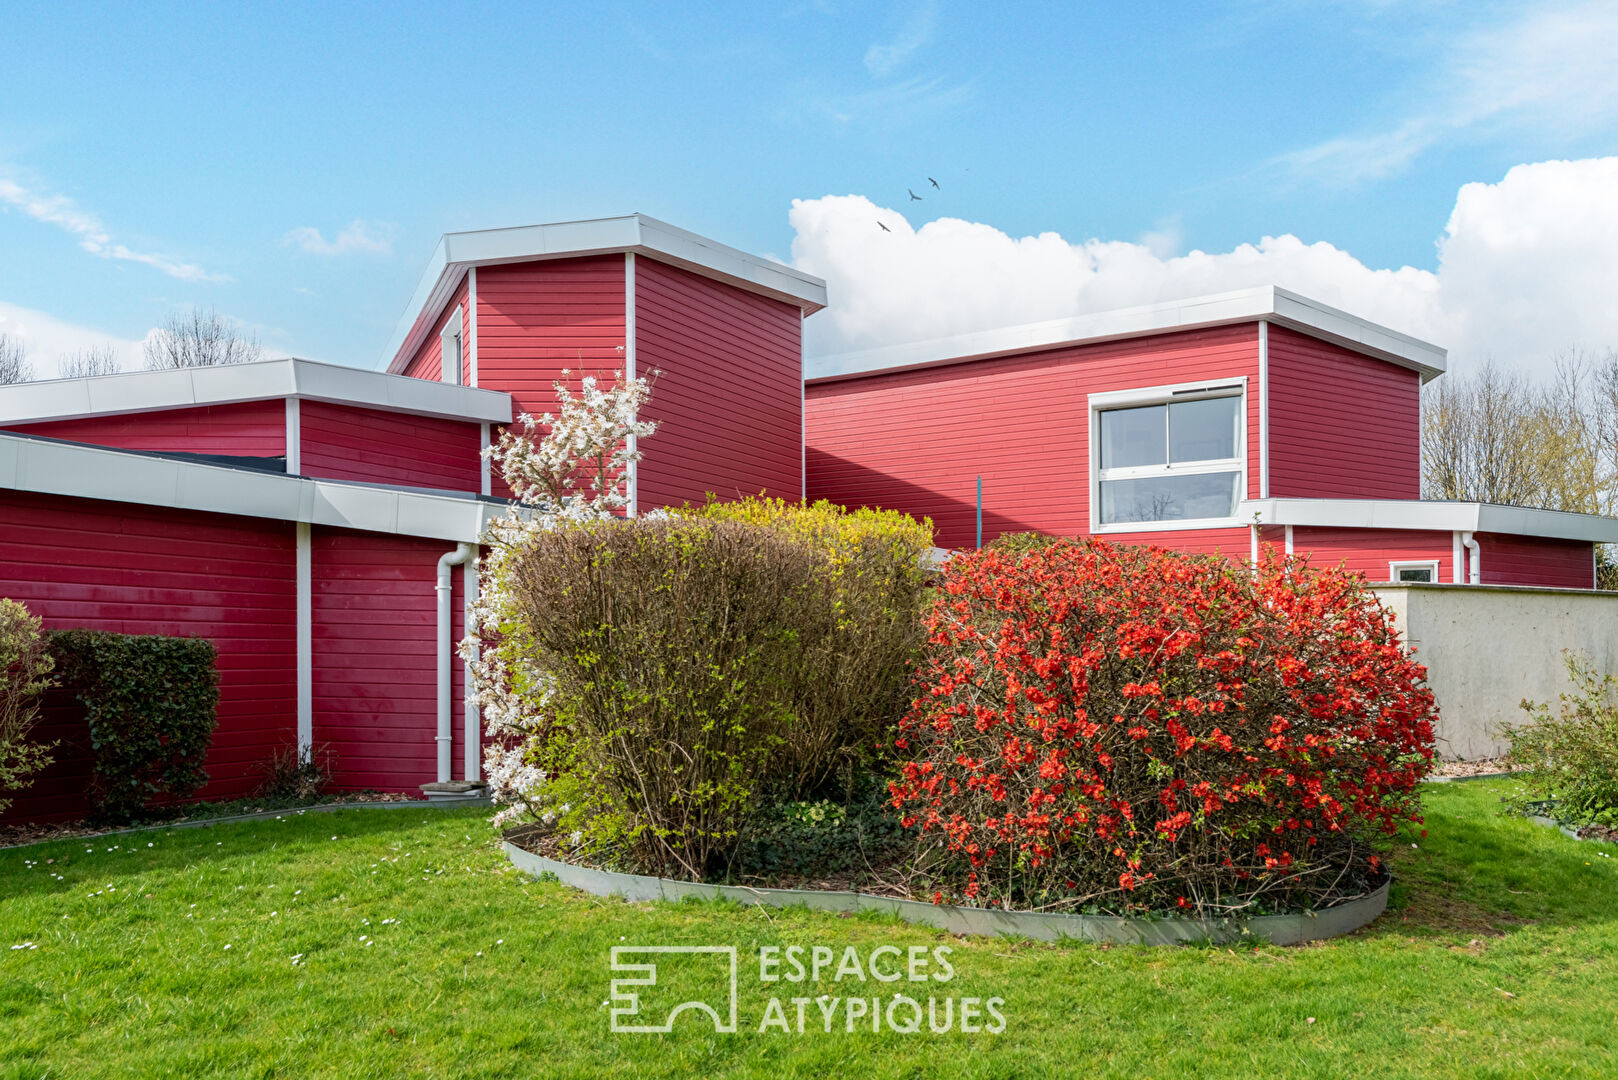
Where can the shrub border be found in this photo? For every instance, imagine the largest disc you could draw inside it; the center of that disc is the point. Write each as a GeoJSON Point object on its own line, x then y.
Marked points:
{"type": "Point", "coordinates": [1043, 926]}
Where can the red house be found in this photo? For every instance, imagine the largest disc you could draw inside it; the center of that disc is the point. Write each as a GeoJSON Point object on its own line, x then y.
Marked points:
{"type": "Point", "coordinates": [308, 519]}
{"type": "Point", "coordinates": [1214, 424]}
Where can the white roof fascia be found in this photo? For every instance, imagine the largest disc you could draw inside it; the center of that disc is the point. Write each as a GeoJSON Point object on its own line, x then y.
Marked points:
{"type": "Point", "coordinates": [1268, 303]}
{"type": "Point", "coordinates": [48, 467]}
{"type": "Point", "coordinates": [148, 391]}
{"type": "Point", "coordinates": [456, 252]}
{"type": "Point", "coordinates": [1430, 515]}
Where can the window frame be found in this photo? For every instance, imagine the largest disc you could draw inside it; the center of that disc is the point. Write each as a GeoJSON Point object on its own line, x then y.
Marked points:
{"type": "Point", "coordinates": [1168, 394]}
{"type": "Point", "coordinates": [1396, 565]}
{"type": "Point", "coordinates": [453, 331]}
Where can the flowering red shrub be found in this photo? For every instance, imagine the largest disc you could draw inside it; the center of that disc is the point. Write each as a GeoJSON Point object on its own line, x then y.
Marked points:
{"type": "Point", "coordinates": [1128, 729]}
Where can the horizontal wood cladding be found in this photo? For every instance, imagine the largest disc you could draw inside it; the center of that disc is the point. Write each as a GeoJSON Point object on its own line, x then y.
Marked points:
{"type": "Point", "coordinates": [1342, 425]}
{"type": "Point", "coordinates": [916, 440]}
{"type": "Point", "coordinates": [427, 363]}
{"type": "Point", "coordinates": [729, 392]}
{"type": "Point", "coordinates": [536, 319]}
{"type": "Point", "coordinates": [343, 442]}
{"type": "Point", "coordinates": [1369, 551]}
{"type": "Point", "coordinates": [1536, 560]}
{"type": "Point", "coordinates": [134, 570]}
{"type": "Point", "coordinates": [375, 658]}
{"type": "Point", "coordinates": [244, 429]}
{"type": "Point", "coordinates": [539, 319]}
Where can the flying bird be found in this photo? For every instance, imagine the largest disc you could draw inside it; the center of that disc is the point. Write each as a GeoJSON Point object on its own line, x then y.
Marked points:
{"type": "Point", "coordinates": [933, 182]}
{"type": "Point", "coordinates": [913, 196]}
{"type": "Point", "coordinates": [883, 227]}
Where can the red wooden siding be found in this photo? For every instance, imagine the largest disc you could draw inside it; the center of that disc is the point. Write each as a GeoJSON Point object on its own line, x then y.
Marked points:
{"type": "Point", "coordinates": [342, 442]}
{"type": "Point", "coordinates": [1536, 560]}
{"type": "Point", "coordinates": [140, 570]}
{"type": "Point", "coordinates": [427, 364]}
{"type": "Point", "coordinates": [916, 440]}
{"type": "Point", "coordinates": [375, 657]}
{"type": "Point", "coordinates": [245, 429]}
{"type": "Point", "coordinates": [1342, 425]}
{"type": "Point", "coordinates": [729, 396]}
{"type": "Point", "coordinates": [536, 319]}
{"type": "Point", "coordinates": [1369, 551]}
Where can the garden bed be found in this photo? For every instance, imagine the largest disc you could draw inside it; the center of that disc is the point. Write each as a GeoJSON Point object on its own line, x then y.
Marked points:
{"type": "Point", "coordinates": [1285, 929]}
{"type": "Point", "coordinates": [1543, 812]}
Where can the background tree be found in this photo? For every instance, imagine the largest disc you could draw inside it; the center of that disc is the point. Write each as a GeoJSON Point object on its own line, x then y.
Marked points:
{"type": "Point", "coordinates": [199, 338]}
{"type": "Point", "coordinates": [96, 360]}
{"type": "Point", "coordinates": [14, 365]}
{"type": "Point", "coordinates": [1495, 436]}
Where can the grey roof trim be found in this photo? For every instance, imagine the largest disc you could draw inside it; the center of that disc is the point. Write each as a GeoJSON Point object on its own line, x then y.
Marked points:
{"type": "Point", "coordinates": [1268, 303]}
{"type": "Point", "coordinates": [637, 233]}
{"type": "Point", "coordinates": [147, 391]}
{"type": "Point", "coordinates": [1432, 515]}
{"type": "Point", "coordinates": [53, 467]}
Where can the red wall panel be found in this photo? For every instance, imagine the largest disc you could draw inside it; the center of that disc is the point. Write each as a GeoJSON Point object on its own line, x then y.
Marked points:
{"type": "Point", "coordinates": [343, 442]}
{"type": "Point", "coordinates": [916, 440]}
{"type": "Point", "coordinates": [375, 656]}
{"type": "Point", "coordinates": [729, 393]}
{"type": "Point", "coordinates": [1536, 560]}
{"type": "Point", "coordinates": [1369, 551]}
{"type": "Point", "coordinates": [1342, 425]}
{"type": "Point", "coordinates": [427, 363]}
{"type": "Point", "coordinates": [537, 319]}
{"type": "Point", "coordinates": [245, 429]}
{"type": "Point", "coordinates": [139, 570]}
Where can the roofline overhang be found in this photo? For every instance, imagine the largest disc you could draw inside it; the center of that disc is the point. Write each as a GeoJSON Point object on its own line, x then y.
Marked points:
{"type": "Point", "coordinates": [639, 234]}
{"type": "Point", "coordinates": [78, 470]}
{"type": "Point", "coordinates": [181, 388]}
{"type": "Point", "coordinates": [1267, 303]}
{"type": "Point", "coordinates": [1430, 515]}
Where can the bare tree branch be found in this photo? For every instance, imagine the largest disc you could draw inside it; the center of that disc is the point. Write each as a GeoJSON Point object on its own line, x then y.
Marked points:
{"type": "Point", "coordinates": [96, 360]}
{"type": "Point", "coordinates": [14, 365]}
{"type": "Point", "coordinates": [199, 339]}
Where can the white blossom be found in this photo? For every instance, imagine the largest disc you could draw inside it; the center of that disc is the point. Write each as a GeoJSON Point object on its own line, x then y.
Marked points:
{"type": "Point", "coordinates": [573, 466]}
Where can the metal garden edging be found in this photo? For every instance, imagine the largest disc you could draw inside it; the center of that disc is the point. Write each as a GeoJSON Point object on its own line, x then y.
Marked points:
{"type": "Point", "coordinates": [1043, 926]}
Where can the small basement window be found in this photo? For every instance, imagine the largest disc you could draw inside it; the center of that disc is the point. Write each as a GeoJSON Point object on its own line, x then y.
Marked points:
{"type": "Point", "coordinates": [1425, 571]}
{"type": "Point", "coordinates": [449, 350]}
{"type": "Point", "coordinates": [1179, 460]}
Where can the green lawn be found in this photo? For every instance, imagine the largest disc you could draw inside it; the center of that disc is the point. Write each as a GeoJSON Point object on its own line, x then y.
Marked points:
{"type": "Point", "coordinates": [170, 954]}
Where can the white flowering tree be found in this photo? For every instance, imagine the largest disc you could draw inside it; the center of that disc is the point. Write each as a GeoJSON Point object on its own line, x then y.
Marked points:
{"type": "Point", "coordinates": [568, 467]}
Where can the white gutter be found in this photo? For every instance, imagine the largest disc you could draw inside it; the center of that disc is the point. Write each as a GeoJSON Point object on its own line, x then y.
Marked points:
{"type": "Point", "coordinates": [1430, 515]}
{"type": "Point", "coordinates": [49, 467]}
{"type": "Point", "coordinates": [1474, 570]}
{"type": "Point", "coordinates": [474, 718]}
{"type": "Point", "coordinates": [445, 589]}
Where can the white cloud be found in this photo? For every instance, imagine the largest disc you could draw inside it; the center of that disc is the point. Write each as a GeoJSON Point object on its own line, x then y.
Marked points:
{"type": "Point", "coordinates": [357, 236]}
{"type": "Point", "coordinates": [884, 58]}
{"type": "Point", "coordinates": [49, 340]}
{"type": "Point", "coordinates": [1526, 267]}
{"type": "Point", "coordinates": [93, 236]}
{"type": "Point", "coordinates": [1551, 70]}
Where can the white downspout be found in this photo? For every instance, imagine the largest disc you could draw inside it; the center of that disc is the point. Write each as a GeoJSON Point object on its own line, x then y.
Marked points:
{"type": "Point", "coordinates": [445, 588]}
{"type": "Point", "coordinates": [474, 726]}
{"type": "Point", "coordinates": [1474, 570]}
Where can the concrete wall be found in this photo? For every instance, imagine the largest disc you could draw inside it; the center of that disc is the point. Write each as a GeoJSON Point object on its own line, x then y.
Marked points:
{"type": "Point", "coordinates": [1488, 647]}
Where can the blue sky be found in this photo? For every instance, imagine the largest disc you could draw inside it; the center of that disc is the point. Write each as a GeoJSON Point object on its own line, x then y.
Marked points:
{"type": "Point", "coordinates": [293, 165]}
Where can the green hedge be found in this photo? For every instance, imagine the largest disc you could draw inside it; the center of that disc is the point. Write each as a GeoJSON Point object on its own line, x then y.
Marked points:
{"type": "Point", "coordinates": [149, 702]}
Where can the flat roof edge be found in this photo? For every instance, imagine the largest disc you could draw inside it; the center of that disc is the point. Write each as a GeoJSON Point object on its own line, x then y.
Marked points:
{"type": "Point", "coordinates": [79, 470]}
{"type": "Point", "coordinates": [1263, 304]}
{"type": "Point", "coordinates": [632, 233]}
{"type": "Point", "coordinates": [124, 393]}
